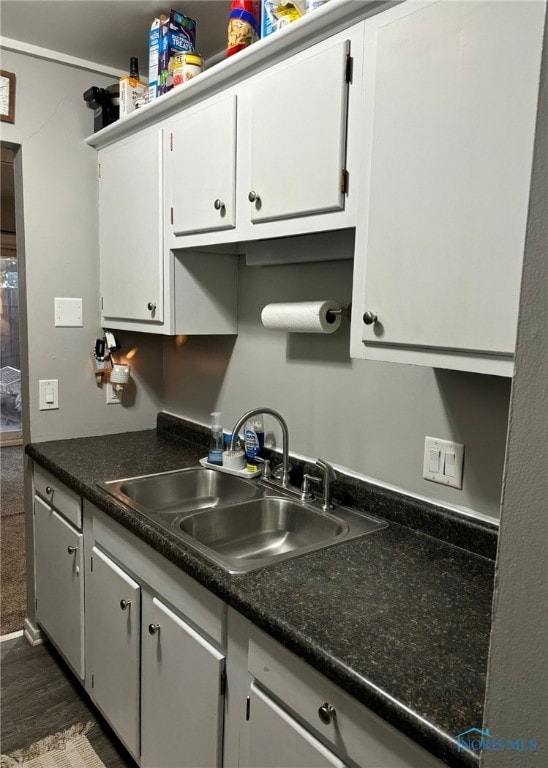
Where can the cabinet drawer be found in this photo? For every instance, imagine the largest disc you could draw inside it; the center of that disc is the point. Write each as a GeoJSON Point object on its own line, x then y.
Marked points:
{"type": "Point", "coordinates": [353, 731]}
{"type": "Point", "coordinates": [65, 501]}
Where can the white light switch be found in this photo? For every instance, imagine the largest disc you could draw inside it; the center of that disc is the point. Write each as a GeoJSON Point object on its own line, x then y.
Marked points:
{"type": "Point", "coordinates": [434, 465]}
{"type": "Point", "coordinates": [68, 312]}
{"type": "Point", "coordinates": [443, 462]}
{"type": "Point", "coordinates": [49, 394]}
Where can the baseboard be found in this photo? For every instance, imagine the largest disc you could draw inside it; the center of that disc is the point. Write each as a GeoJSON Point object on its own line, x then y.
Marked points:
{"type": "Point", "coordinates": [32, 633]}
{"type": "Point", "coordinates": [11, 636]}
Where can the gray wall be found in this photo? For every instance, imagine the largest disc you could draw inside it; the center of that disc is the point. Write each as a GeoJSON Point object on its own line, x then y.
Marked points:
{"type": "Point", "coordinates": [516, 705]}
{"type": "Point", "coordinates": [60, 255]}
{"type": "Point", "coordinates": [369, 417]}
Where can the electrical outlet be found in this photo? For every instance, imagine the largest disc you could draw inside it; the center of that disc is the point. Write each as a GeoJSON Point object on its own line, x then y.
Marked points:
{"type": "Point", "coordinates": [443, 462]}
{"type": "Point", "coordinates": [114, 396]}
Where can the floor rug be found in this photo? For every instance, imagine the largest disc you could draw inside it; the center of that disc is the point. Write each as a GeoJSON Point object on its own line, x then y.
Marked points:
{"type": "Point", "coordinates": [66, 749]}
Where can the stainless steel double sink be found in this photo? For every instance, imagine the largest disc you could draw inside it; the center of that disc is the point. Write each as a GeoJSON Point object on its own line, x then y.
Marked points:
{"type": "Point", "coordinates": [236, 522]}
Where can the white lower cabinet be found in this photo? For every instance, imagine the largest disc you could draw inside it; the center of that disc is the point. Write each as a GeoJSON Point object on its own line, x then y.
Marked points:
{"type": "Point", "coordinates": [113, 628]}
{"type": "Point", "coordinates": [182, 692]}
{"type": "Point", "coordinates": [59, 582]}
{"type": "Point", "coordinates": [277, 740]}
{"type": "Point", "coordinates": [154, 645]}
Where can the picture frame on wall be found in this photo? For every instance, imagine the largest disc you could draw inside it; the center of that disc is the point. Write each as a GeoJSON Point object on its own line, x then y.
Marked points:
{"type": "Point", "coordinates": [7, 96]}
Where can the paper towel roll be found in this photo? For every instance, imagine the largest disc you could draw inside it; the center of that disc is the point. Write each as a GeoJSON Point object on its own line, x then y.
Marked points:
{"type": "Point", "coordinates": [302, 316]}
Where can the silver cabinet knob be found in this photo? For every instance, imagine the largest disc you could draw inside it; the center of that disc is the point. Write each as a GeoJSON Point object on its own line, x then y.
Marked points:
{"type": "Point", "coordinates": [153, 629]}
{"type": "Point", "coordinates": [218, 205]}
{"type": "Point", "coordinates": [369, 318]}
{"type": "Point", "coordinates": [49, 489]}
{"type": "Point", "coordinates": [71, 550]}
{"type": "Point", "coordinates": [327, 713]}
{"type": "Point", "coordinates": [125, 604]}
{"type": "Point", "coordinates": [253, 197]}
{"type": "Point", "coordinates": [151, 306]}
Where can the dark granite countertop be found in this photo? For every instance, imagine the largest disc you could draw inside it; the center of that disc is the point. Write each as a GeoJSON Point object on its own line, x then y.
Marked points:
{"type": "Point", "coordinates": [398, 619]}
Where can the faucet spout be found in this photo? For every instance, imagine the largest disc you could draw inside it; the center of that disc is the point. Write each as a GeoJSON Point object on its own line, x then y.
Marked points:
{"type": "Point", "coordinates": [285, 436]}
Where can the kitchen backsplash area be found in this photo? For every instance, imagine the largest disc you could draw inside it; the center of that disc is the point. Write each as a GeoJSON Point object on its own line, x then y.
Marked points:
{"type": "Point", "coordinates": [369, 417]}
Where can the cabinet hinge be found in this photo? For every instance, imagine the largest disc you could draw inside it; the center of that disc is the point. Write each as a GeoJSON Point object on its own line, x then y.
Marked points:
{"type": "Point", "coordinates": [171, 141]}
{"type": "Point", "coordinates": [91, 558]}
{"type": "Point", "coordinates": [101, 303]}
{"type": "Point", "coordinates": [99, 170]}
{"type": "Point", "coordinates": [92, 680]}
{"type": "Point", "coordinates": [171, 215]}
{"type": "Point", "coordinates": [35, 602]}
{"type": "Point", "coordinates": [222, 683]}
{"type": "Point", "coordinates": [248, 708]}
{"type": "Point", "coordinates": [348, 68]}
{"type": "Point", "coordinates": [344, 182]}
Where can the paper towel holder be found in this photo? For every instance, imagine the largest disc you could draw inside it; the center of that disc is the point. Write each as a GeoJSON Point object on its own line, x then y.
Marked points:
{"type": "Point", "coordinates": [332, 314]}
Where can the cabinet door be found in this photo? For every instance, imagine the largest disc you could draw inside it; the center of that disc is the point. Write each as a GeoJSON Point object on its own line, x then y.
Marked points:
{"type": "Point", "coordinates": [448, 135]}
{"type": "Point", "coordinates": [59, 582]}
{"type": "Point", "coordinates": [298, 135]}
{"type": "Point", "coordinates": [203, 167]}
{"type": "Point", "coordinates": [276, 740]}
{"type": "Point", "coordinates": [113, 614]}
{"type": "Point", "coordinates": [130, 228]}
{"type": "Point", "coordinates": [182, 693]}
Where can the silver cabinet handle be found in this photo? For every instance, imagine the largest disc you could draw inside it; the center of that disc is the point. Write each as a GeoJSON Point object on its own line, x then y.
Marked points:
{"type": "Point", "coordinates": [218, 205]}
{"type": "Point", "coordinates": [153, 629]}
{"type": "Point", "coordinates": [327, 713]}
{"type": "Point", "coordinates": [125, 604]}
{"type": "Point", "coordinates": [253, 197]}
{"type": "Point", "coordinates": [49, 489]}
{"type": "Point", "coordinates": [151, 306]}
{"type": "Point", "coordinates": [71, 550]}
{"type": "Point", "coordinates": [369, 318]}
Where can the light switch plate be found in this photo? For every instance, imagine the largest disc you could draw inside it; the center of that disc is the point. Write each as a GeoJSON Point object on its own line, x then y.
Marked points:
{"type": "Point", "coordinates": [48, 394]}
{"type": "Point", "coordinates": [113, 396]}
{"type": "Point", "coordinates": [449, 471]}
{"type": "Point", "coordinates": [68, 312]}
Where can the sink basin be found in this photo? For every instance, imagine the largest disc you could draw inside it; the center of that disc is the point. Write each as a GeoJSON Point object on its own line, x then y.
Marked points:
{"type": "Point", "coordinates": [184, 490]}
{"type": "Point", "coordinates": [263, 531]}
{"type": "Point", "coordinates": [235, 522]}
{"type": "Point", "coordinates": [262, 528]}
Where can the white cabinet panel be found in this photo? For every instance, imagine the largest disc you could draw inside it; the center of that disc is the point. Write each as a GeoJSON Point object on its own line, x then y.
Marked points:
{"type": "Point", "coordinates": [276, 740]}
{"type": "Point", "coordinates": [59, 582]}
{"type": "Point", "coordinates": [298, 135]}
{"type": "Point", "coordinates": [130, 228]}
{"type": "Point", "coordinates": [203, 167]}
{"type": "Point", "coordinates": [448, 132]}
{"type": "Point", "coordinates": [181, 695]}
{"type": "Point", "coordinates": [113, 616]}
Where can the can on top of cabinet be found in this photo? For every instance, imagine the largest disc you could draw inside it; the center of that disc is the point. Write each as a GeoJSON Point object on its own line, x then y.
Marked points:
{"type": "Point", "coordinates": [185, 66]}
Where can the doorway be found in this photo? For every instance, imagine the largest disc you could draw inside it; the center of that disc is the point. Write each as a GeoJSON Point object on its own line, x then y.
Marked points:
{"type": "Point", "coordinates": [10, 361]}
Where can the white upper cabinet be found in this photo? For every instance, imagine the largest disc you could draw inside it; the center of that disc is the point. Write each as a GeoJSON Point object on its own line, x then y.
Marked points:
{"type": "Point", "coordinates": [203, 167]}
{"type": "Point", "coordinates": [131, 228]}
{"type": "Point", "coordinates": [450, 95]}
{"type": "Point", "coordinates": [298, 135]}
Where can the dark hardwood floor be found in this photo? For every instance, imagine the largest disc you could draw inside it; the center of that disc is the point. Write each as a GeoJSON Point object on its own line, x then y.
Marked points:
{"type": "Point", "coordinates": [40, 696]}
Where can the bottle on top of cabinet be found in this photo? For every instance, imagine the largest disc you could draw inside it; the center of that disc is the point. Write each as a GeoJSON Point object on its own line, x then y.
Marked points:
{"type": "Point", "coordinates": [132, 88]}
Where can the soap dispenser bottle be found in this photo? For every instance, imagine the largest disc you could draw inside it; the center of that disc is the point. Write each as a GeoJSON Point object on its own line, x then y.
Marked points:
{"type": "Point", "coordinates": [215, 455]}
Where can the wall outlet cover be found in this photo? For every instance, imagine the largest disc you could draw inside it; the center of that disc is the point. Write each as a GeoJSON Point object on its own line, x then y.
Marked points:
{"type": "Point", "coordinates": [68, 312]}
{"type": "Point", "coordinates": [113, 396]}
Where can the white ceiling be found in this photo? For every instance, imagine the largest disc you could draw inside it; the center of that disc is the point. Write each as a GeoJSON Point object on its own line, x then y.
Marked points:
{"type": "Point", "coordinates": [108, 32]}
